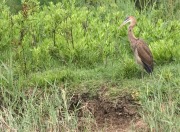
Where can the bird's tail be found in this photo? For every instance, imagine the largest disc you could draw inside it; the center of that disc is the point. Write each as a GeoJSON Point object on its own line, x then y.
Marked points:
{"type": "Point", "coordinates": [149, 69]}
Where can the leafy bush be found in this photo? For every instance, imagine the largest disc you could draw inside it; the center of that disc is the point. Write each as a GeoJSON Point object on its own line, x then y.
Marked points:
{"type": "Point", "coordinates": [66, 34]}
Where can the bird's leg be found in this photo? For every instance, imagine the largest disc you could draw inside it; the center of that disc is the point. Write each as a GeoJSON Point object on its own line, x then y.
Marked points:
{"type": "Point", "coordinates": [142, 71]}
{"type": "Point", "coordinates": [142, 74]}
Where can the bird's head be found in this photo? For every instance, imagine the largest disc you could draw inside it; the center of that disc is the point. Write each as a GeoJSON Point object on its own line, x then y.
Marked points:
{"type": "Point", "coordinates": [130, 19]}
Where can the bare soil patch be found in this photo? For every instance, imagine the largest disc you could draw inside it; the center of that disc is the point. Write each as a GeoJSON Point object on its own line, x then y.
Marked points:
{"type": "Point", "coordinates": [119, 115]}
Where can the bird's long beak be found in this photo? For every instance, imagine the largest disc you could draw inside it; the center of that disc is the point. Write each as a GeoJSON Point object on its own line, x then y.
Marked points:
{"type": "Point", "coordinates": [124, 23]}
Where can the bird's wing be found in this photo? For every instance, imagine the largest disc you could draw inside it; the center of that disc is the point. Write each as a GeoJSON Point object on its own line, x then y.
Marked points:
{"type": "Point", "coordinates": [145, 54]}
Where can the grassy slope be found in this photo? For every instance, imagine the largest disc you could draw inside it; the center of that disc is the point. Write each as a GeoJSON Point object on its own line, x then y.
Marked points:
{"type": "Point", "coordinates": [158, 94]}
{"type": "Point", "coordinates": [44, 97]}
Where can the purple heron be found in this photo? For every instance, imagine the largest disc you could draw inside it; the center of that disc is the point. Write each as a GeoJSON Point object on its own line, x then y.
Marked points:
{"type": "Point", "coordinates": [141, 50]}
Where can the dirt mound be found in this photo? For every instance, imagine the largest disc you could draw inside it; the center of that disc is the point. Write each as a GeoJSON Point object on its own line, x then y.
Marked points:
{"type": "Point", "coordinates": [111, 115]}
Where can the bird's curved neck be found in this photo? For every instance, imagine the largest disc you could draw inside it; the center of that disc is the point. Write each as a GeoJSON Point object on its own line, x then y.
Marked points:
{"type": "Point", "coordinates": [131, 36]}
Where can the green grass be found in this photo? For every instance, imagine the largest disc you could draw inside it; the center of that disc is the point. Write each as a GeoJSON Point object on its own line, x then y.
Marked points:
{"type": "Point", "coordinates": [48, 94]}
{"type": "Point", "coordinates": [59, 52]}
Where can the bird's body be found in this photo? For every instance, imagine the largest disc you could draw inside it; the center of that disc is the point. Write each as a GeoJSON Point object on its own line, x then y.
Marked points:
{"type": "Point", "coordinates": [141, 50]}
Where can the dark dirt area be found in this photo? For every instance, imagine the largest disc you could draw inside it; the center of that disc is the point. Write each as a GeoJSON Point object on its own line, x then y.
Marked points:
{"type": "Point", "coordinates": [119, 115]}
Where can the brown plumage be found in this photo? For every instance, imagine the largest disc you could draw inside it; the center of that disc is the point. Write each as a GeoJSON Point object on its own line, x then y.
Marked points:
{"type": "Point", "coordinates": [141, 50]}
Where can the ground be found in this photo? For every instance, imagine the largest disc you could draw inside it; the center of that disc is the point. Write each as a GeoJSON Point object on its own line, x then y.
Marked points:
{"type": "Point", "coordinates": [120, 115]}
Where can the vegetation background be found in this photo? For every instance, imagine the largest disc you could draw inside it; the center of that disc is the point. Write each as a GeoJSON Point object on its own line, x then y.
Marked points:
{"type": "Point", "coordinates": [53, 50]}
